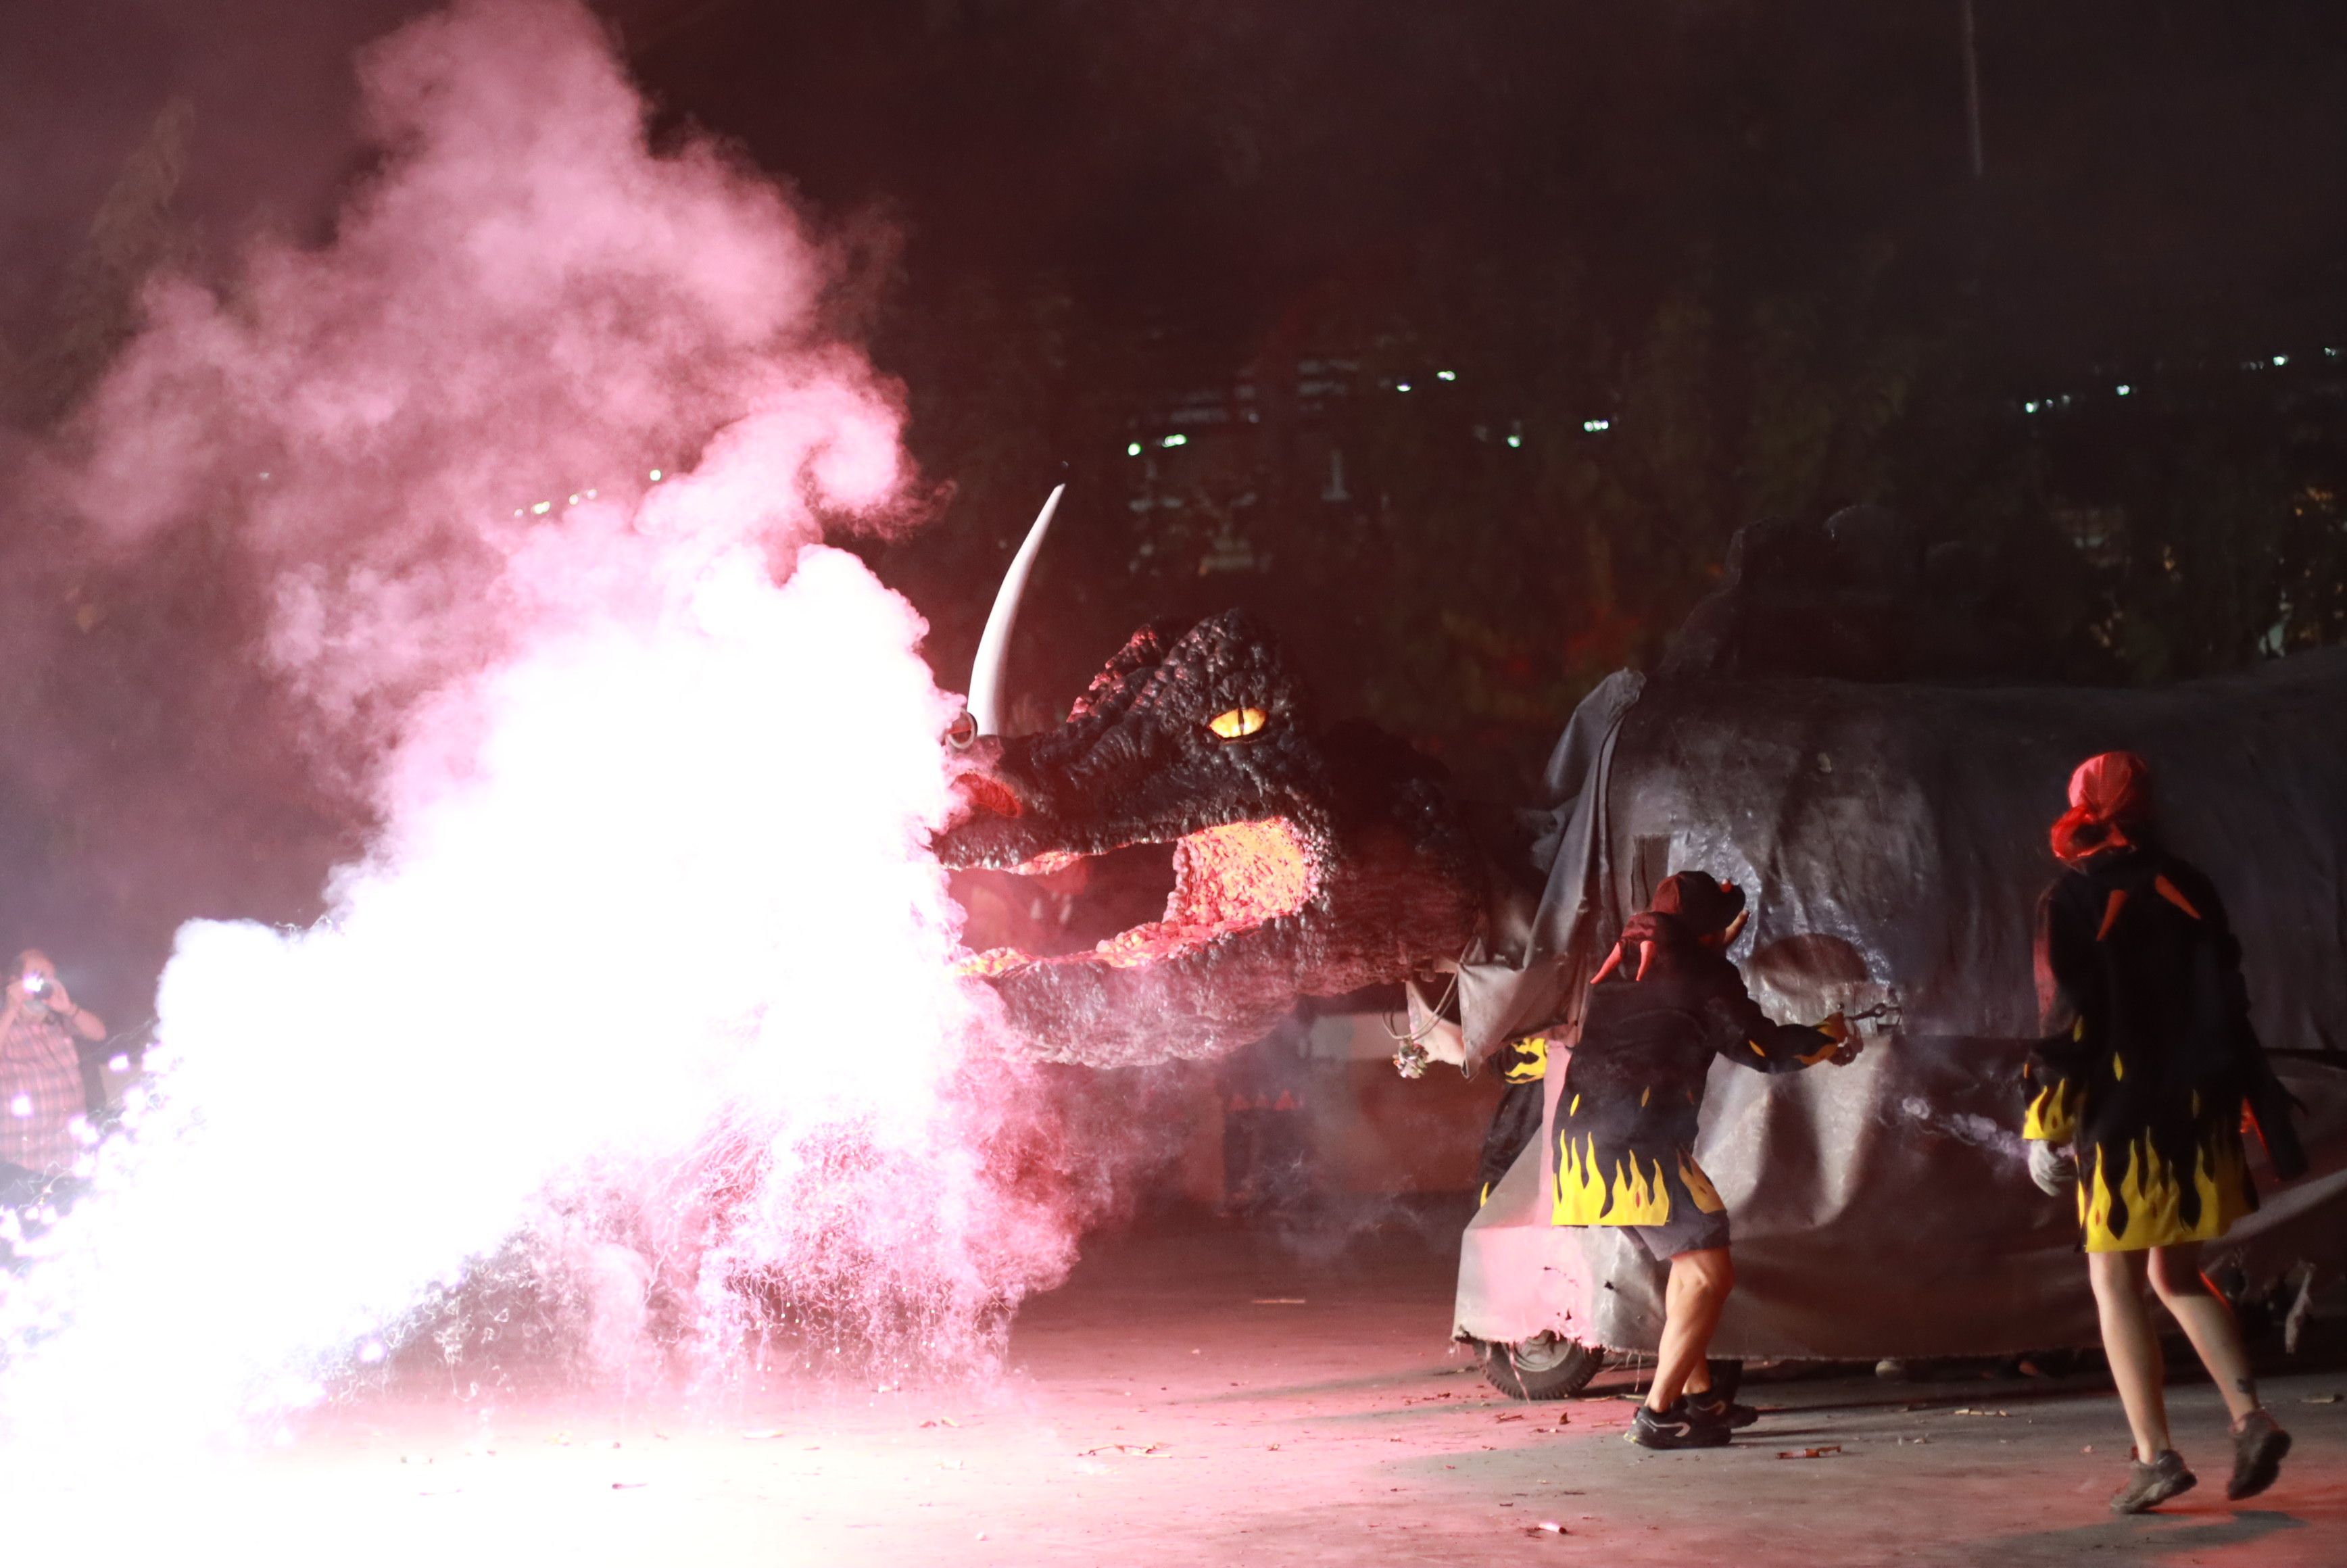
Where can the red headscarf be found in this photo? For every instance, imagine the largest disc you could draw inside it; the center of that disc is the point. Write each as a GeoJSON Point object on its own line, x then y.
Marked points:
{"type": "Point", "coordinates": [2108, 795]}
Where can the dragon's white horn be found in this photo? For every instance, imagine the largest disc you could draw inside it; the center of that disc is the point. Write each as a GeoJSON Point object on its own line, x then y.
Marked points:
{"type": "Point", "coordinates": [993, 662]}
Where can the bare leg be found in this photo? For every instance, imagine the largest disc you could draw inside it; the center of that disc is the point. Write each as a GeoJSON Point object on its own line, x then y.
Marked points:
{"type": "Point", "coordinates": [2208, 1322]}
{"type": "Point", "coordinates": [1698, 1290]}
{"type": "Point", "coordinates": [2132, 1347]}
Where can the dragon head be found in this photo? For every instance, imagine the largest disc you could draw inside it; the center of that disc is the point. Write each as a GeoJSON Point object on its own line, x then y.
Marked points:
{"type": "Point", "coordinates": [1305, 861]}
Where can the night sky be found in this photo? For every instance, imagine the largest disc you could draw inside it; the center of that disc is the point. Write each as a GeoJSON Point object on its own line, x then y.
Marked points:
{"type": "Point", "coordinates": [2158, 174]}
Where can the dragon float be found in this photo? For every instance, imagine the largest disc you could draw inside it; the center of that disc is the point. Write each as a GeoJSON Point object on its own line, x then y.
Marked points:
{"type": "Point", "coordinates": [1892, 834]}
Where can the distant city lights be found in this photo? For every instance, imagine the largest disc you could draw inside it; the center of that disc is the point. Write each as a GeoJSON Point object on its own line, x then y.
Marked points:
{"type": "Point", "coordinates": [1515, 440]}
{"type": "Point", "coordinates": [1445, 376]}
{"type": "Point", "coordinates": [1174, 441]}
{"type": "Point", "coordinates": [1596, 426]}
{"type": "Point", "coordinates": [2124, 389]}
{"type": "Point", "coordinates": [1132, 448]}
{"type": "Point", "coordinates": [540, 509]}
{"type": "Point", "coordinates": [1401, 387]}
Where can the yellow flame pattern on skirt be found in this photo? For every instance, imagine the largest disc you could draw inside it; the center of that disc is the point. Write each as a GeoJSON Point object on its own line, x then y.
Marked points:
{"type": "Point", "coordinates": [2053, 1115]}
{"type": "Point", "coordinates": [2152, 1196]}
{"type": "Point", "coordinates": [1527, 1059]}
{"type": "Point", "coordinates": [1585, 1195]}
{"type": "Point", "coordinates": [1700, 1188]}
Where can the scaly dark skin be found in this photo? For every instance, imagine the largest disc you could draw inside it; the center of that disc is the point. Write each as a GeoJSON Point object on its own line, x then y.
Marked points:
{"type": "Point", "coordinates": [1307, 862]}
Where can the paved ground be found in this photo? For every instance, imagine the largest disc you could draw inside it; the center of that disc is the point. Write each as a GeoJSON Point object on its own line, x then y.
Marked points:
{"type": "Point", "coordinates": [1225, 1398]}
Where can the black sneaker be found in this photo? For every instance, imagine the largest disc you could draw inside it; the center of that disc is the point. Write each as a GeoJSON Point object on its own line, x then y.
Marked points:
{"type": "Point", "coordinates": [2259, 1446]}
{"type": "Point", "coordinates": [1680, 1427]}
{"type": "Point", "coordinates": [2149, 1485]}
{"type": "Point", "coordinates": [1718, 1407]}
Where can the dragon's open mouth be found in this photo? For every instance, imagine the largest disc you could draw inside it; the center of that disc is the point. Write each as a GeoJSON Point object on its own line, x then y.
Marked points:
{"type": "Point", "coordinates": [1226, 879]}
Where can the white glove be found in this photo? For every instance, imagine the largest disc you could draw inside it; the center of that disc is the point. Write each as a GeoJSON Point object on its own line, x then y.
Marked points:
{"type": "Point", "coordinates": [2055, 1171]}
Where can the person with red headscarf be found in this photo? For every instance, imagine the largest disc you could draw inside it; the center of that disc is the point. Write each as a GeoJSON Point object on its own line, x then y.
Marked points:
{"type": "Point", "coordinates": [1661, 1007]}
{"type": "Point", "coordinates": [2138, 1091]}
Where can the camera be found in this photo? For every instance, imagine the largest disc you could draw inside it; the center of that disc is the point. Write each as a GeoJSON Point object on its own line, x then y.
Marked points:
{"type": "Point", "coordinates": [35, 984]}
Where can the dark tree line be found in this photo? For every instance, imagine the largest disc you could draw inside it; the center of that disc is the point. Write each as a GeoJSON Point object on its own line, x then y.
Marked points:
{"type": "Point", "coordinates": [1744, 235]}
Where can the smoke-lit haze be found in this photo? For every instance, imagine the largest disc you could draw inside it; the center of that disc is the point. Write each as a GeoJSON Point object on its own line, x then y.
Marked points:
{"type": "Point", "coordinates": [646, 963]}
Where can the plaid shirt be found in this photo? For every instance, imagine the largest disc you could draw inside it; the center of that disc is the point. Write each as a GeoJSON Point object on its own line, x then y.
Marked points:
{"type": "Point", "coordinates": [41, 1094]}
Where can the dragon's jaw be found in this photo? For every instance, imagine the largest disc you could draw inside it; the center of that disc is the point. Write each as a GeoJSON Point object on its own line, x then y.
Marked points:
{"type": "Point", "coordinates": [1228, 879]}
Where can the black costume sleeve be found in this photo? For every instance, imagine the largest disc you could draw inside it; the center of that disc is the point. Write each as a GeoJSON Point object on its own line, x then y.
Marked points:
{"type": "Point", "coordinates": [2265, 1103]}
{"type": "Point", "coordinates": [2055, 1071]}
{"type": "Point", "coordinates": [2201, 894]}
{"type": "Point", "coordinates": [1742, 1032]}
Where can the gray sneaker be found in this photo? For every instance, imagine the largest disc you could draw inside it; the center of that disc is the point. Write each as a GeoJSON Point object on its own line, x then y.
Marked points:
{"type": "Point", "coordinates": [1676, 1427]}
{"type": "Point", "coordinates": [1713, 1406]}
{"type": "Point", "coordinates": [2259, 1446]}
{"type": "Point", "coordinates": [2149, 1485]}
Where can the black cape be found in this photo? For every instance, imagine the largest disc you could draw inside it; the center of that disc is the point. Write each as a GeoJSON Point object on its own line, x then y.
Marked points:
{"type": "Point", "coordinates": [2148, 1062]}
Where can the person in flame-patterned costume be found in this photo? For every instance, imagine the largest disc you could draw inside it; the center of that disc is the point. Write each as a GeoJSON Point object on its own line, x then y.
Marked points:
{"type": "Point", "coordinates": [2148, 1071]}
{"type": "Point", "coordinates": [1516, 1119]}
{"type": "Point", "coordinates": [1661, 1007]}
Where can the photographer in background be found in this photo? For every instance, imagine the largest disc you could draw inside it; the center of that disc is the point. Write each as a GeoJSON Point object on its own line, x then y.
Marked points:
{"type": "Point", "coordinates": [41, 1093]}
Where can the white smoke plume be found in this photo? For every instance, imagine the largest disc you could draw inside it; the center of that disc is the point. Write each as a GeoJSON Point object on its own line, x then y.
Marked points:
{"type": "Point", "coordinates": [646, 963]}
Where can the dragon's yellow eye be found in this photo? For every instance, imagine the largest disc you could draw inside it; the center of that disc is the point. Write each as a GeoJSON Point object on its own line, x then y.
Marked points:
{"type": "Point", "coordinates": [1238, 723]}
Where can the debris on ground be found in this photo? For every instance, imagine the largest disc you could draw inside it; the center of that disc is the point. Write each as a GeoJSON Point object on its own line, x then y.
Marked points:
{"type": "Point", "coordinates": [942, 1421]}
{"type": "Point", "coordinates": [1820, 1451]}
{"type": "Point", "coordinates": [1136, 1451]}
{"type": "Point", "coordinates": [1546, 1527]}
{"type": "Point", "coordinates": [1969, 1410]}
{"type": "Point", "coordinates": [2322, 1398]}
{"type": "Point", "coordinates": [1278, 1301]}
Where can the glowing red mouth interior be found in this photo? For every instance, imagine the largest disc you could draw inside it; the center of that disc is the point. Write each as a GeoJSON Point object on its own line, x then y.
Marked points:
{"type": "Point", "coordinates": [1225, 879]}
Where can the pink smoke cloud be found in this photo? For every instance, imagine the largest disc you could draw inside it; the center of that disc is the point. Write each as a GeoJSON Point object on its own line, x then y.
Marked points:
{"type": "Point", "coordinates": [533, 462]}
{"type": "Point", "coordinates": [525, 302]}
